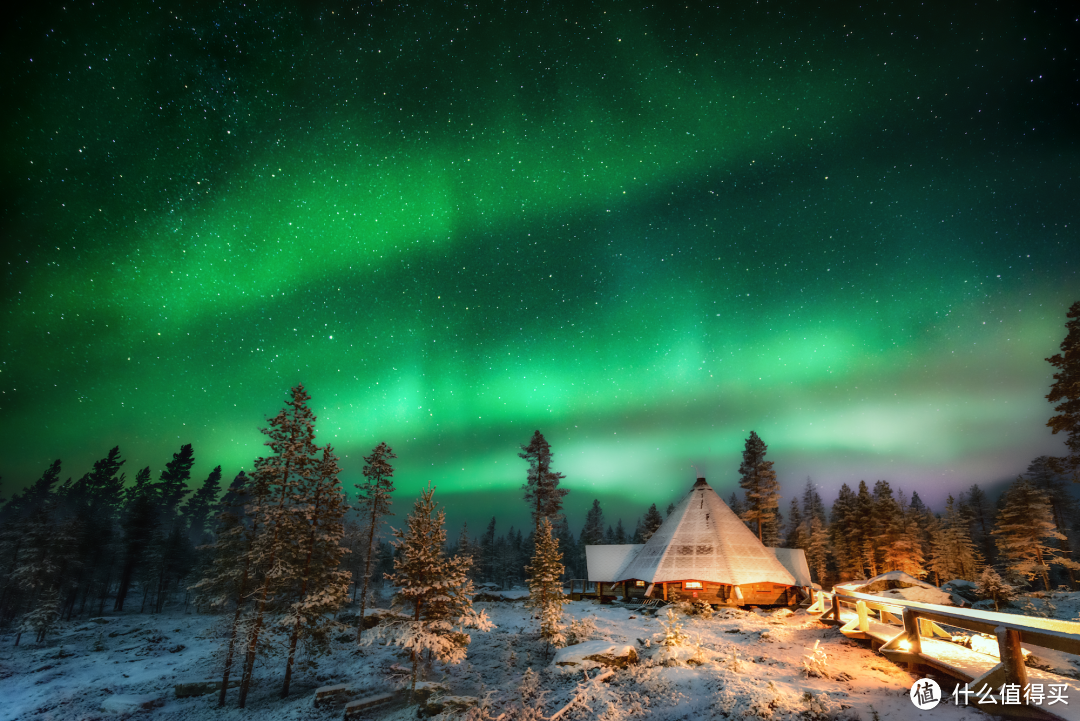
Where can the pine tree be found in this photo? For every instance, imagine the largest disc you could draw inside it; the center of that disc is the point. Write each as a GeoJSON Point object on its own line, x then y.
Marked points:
{"type": "Point", "coordinates": [758, 479]}
{"type": "Point", "coordinates": [318, 587]}
{"type": "Point", "coordinates": [844, 534]}
{"type": "Point", "coordinates": [93, 503]}
{"type": "Point", "coordinates": [993, 586]}
{"type": "Point", "coordinates": [374, 505]}
{"type": "Point", "coordinates": [276, 481]}
{"type": "Point", "coordinates": [542, 492]}
{"type": "Point", "coordinates": [651, 523]}
{"type": "Point", "coordinates": [670, 509]}
{"type": "Point", "coordinates": [903, 551]}
{"type": "Point", "coordinates": [796, 535]}
{"type": "Point", "coordinates": [620, 532]}
{"type": "Point", "coordinates": [1066, 393]}
{"type": "Point", "coordinates": [488, 553]}
{"type": "Point", "coordinates": [1025, 526]}
{"type": "Point", "coordinates": [545, 585]}
{"type": "Point", "coordinates": [735, 504]}
{"type": "Point", "coordinates": [813, 506]}
{"type": "Point", "coordinates": [817, 550]}
{"type": "Point", "coordinates": [139, 519]}
{"type": "Point", "coordinates": [197, 510]}
{"type": "Point", "coordinates": [593, 532]}
{"type": "Point", "coordinates": [230, 575]}
{"type": "Point", "coordinates": [981, 522]}
{"type": "Point", "coordinates": [437, 588]}
{"type": "Point", "coordinates": [172, 484]}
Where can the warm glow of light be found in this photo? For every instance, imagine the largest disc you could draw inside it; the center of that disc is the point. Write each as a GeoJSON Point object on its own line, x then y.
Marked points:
{"type": "Point", "coordinates": [904, 645]}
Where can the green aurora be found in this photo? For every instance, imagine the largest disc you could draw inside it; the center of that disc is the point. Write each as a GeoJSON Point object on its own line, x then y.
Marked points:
{"type": "Point", "coordinates": [643, 230]}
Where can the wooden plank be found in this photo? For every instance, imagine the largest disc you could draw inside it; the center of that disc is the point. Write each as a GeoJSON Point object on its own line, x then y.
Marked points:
{"type": "Point", "coordinates": [360, 705]}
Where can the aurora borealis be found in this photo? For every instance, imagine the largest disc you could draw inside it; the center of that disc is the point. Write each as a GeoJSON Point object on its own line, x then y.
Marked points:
{"type": "Point", "coordinates": [644, 230]}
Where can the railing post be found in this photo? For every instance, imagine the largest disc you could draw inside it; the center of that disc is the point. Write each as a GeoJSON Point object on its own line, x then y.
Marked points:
{"type": "Point", "coordinates": [864, 624]}
{"type": "Point", "coordinates": [836, 607]}
{"type": "Point", "coordinates": [911, 627]}
{"type": "Point", "coordinates": [1012, 655]}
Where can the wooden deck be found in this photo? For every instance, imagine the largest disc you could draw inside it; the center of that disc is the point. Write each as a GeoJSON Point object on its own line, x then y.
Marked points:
{"type": "Point", "coordinates": [911, 633]}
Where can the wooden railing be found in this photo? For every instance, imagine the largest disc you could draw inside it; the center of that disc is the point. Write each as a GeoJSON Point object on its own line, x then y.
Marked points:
{"type": "Point", "coordinates": [902, 626]}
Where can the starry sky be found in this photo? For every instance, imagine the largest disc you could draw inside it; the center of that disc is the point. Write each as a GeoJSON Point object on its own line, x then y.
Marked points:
{"type": "Point", "coordinates": [643, 229]}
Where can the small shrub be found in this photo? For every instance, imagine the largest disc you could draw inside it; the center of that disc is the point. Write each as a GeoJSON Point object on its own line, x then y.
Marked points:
{"type": "Point", "coordinates": [816, 662]}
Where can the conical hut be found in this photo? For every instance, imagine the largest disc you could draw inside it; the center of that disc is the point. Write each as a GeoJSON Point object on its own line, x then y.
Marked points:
{"type": "Point", "coordinates": [702, 551]}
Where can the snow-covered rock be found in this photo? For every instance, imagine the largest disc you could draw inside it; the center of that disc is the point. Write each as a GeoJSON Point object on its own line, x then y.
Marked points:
{"type": "Point", "coordinates": [594, 654]}
{"type": "Point", "coordinates": [452, 704]}
{"type": "Point", "coordinates": [129, 703]}
{"type": "Point", "coordinates": [897, 584]}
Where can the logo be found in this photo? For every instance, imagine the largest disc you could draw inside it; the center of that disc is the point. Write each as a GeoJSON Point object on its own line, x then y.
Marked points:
{"type": "Point", "coordinates": [925, 694]}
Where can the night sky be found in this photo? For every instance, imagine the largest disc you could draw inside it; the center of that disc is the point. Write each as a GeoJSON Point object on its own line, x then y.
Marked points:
{"type": "Point", "coordinates": [643, 230]}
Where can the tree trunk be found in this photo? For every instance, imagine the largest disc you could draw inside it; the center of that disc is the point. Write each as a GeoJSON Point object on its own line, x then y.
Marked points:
{"type": "Point", "coordinates": [232, 637]}
{"type": "Point", "coordinates": [295, 636]}
{"type": "Point", "coordinates": [253, 644]}
{"type": "Point", "coordinates": [367, 574]}
{"type": "Point", "coordinates": [125, 584]}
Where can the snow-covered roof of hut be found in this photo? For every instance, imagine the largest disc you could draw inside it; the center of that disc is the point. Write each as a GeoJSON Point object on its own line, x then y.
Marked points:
{"type": "Point", "coordinates": [604, 562]}
{"type": "Point", "coordinates": [794, 560]}
{"type": "Point", "coordinates": [704, 540]}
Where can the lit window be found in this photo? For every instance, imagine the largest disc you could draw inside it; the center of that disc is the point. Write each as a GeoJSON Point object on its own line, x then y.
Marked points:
{"type": "Point", "coordinates": [692, 584]}
{"type": "Point", "coordinates": [639, 583]}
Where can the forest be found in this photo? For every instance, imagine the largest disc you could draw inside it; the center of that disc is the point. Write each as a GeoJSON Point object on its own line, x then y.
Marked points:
{"type": "Point", "coordinates": [280, 553]}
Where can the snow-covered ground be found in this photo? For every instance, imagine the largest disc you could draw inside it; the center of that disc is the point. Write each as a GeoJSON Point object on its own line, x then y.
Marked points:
{"type": "Point", "coordinates": [738, 664]}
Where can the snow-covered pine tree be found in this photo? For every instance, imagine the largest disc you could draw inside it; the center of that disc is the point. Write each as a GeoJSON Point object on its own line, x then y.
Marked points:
{"type": "Point", "coordinates": [812, 505]}
{"type": "Point", "coordinates": [437, 589]}
{"type": "Point", "coordinates": [670, 509]}
{"type": "Point", "coordinates": [1066, 393]}
{"type": "Point", "coordinates": [993, 586]}
{"type": "Point", "coordinates": [734, 503]}
{"type": "Point", "coordinates": [817, 550]}
{"type": "Point", "coordinates": [982, 521]}
{"type": "Point", "coordinates": [230, 575]}
{"type": "Point", "coordinates": [93, 504]}
{"type": "Point", "coordinates": [1025, 527]}
{"type": "Point", "coordinates": [904, 549]}
{"type": "Point", "coordinates": [843, 534]}
{"type": "Point", "coordinates": [758, 479]}
{"type": "Point", "coordinates": [650, 523]}
{"type": "Point", "coordinates": [542, 492]}
{"type": "Point", "coordinates": [373, 505]}
{"type": "Point", "coordinates": [318, 586]}
{"type": "Point", "coordinates": [174, 553]}
{"type": "Point", "coordinates": [545, 585]}
{"type": "Point", "coordinates": [1042, 475]}
{"type": "Point", "coordinates": [277, 477]}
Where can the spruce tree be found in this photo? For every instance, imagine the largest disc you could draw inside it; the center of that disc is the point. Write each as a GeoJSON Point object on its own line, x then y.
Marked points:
{"type": "Point", "coordinates": [843, 530]}
{"type": "Point", "coordinates": [373, 505]}
{"type": "Point", "coordinates": [817, 550]}
{"type": "Point", "coordinates": [542, 492]}
{"type": "Point", "coordinates": [670, 509]}
{"type": "Point", "coordinates": [276, 481]}
{"type": "Point", "coordinates": [796, 535]}
{"type": "Point", "coordinates": [1066, 393]}
{"type": "Point", "coordinates": [650, 523]}
{"type": "Point", "coordinates": [1025, 530]}
{"type": "Point", "coordinates": [436, 588]}
{"type": "Point", "coordinates": [758, 479]}
{"type": "Point", "coordinates": [488, 553]}
{"type": "Point", "coordinates": [198, 508]}
{"type": "Point", "coordinates": [620, 532]}
{"type": "Point", "coordinates": [545, 585]}
{"type": "Point", "coordinates": [813, 506]}
{"type": "Point", "coordinates": [593, 532]}
{"type": "Point", "coordinates": [93, 503]}
{"type": "Point", "coordinates": [993, 586]}
{"type": "Point", "coordinates": [318, 587]}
